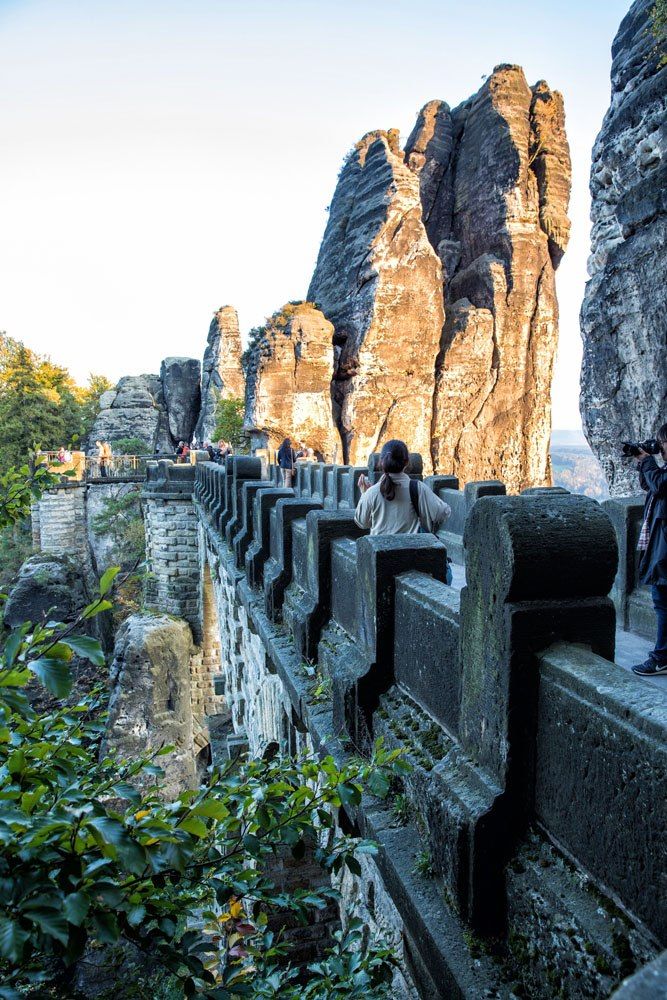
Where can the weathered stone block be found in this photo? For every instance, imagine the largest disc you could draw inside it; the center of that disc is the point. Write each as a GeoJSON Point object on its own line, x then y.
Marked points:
{"type": "Point", "coordinates": [601, 766]}
{"type": "Point", "coordinates": [426, 645]}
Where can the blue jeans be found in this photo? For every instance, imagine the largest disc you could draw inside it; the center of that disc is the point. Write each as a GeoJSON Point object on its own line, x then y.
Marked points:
{"type": "Point", "coordinates": [659, 594]}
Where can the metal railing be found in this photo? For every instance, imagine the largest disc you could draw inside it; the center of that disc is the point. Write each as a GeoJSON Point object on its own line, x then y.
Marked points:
{"type": "Point", "coordinates": [81, 467]}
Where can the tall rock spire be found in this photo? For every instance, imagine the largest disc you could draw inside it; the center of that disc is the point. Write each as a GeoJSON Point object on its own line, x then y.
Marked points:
{"type": "Point", "coordinates": [437, 272]}
{"type": "Point", "coordinates": [495, 182]}
{"type": "Point", "coordinates": [222, 375]}
{"type": "Point", "coordinates": [288, 376]}
{"type": "Point", "coordinates": [378, 280]}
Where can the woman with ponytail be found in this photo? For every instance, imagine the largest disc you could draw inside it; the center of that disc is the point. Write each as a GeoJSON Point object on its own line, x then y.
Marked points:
{"type": "Point", "coordinates": [388, 507]}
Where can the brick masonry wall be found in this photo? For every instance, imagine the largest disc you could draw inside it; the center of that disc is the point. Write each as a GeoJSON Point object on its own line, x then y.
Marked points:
{"type": "Point", "coordinates": [59, 524]}
{"type": "Point", "coordinates": [173, 559]}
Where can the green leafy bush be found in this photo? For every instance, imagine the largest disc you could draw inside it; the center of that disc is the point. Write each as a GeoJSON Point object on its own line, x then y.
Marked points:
{"type": "Point", "coordinates": [130, 446]}
{"type": "Point", "coordinates": [229, 423]}
{"type": "Point", "coordinates": [92, 856]}
{"type": "Point", "coordinates": [121, 519]}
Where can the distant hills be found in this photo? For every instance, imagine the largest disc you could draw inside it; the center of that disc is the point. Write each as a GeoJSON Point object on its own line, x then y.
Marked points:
{"type": "Point", "coordinates": [574, 465]}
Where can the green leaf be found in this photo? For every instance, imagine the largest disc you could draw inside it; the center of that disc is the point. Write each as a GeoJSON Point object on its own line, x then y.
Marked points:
{"type": "Point", "coordinates": [136, 915]}
{"type": "Point", "coordinates": [110, 830]}
{"type": "Point", "coordinates": [212, 808]}
{"type": "Point", "coordinates": [107, 579]}
{"type": "Point", "coordinates": [51, 922]}
{"type": "Point", "coordinates": [12, 646]}
{"type": "Point", "coordinates": [75, 908]}
{"type": "Point", "coordinates": [12, 940]}
{"type": "Point", "coordinates": [16, 762]}
{"type": "Point", "coordinates": [195, 826]}
{"type": "Point", "coordinates": [54, 675]}
{"type": "Point", "coordinates": [106, 927]}
{"type": "Point", "coordinates": [349, 794]}
{"type": "Point", "coordinates": [378, 784]}
{"type": "Point", "coordinates": [96, 608]}
{"type": "Point", "coordinates": [353, 864]}
{"type": "Point", "coordinates": [127, 791]}
{"type": "Point", "coordinates": [87, 647]}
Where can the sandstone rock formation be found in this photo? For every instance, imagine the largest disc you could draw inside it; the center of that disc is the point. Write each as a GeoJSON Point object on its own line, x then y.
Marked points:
{"type": "Point", "coordinates": [288, 374]}
{"type": "Point", "coordinates": [222, 375]}
{"type": "Point", "coordinates": [133, 409]}
{"type": "Point", "coordinates": [495, 181]}
{"type": "Point", "coordinates": [160, 410]}
{"type": "Point", "coordinates": [471, 221]}
{"type": "Point", "coordinates": [378, 280]}
{"type": "Point", "coordinates": [150, 702]}
{"type": "Point", "coordinates": [624, 312]}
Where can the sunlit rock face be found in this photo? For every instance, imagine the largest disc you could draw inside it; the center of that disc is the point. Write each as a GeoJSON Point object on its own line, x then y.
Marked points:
{"type": "Point", "coordinates": [222, 375]}
{"type": "Point", "coordinates": [437, 271]}
{"type": "Point", "coordinates": [378, 280]}
{"type": "Point", "coordinates": [495, 182]}
{"type": "Point", "coordinates": [288, 376]}
{"type": "Point", "coordinates": [624, 312]}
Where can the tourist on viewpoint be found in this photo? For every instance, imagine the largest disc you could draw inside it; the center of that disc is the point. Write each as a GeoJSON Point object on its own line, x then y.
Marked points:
{"type": "Point", "coordinates": [653, 549]}
{"type": "Point", "coordinates": [104, 456]}
{"type": "Point", "coordinates": [224, 450]}
{"type": "Point", "coordinates": [286, 460]}
{"type": "Point", "coordinates": [398, 505]}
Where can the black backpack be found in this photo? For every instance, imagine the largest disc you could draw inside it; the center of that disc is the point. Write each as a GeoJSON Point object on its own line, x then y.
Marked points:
{"type": "Point", "coordinates": [414, 500]}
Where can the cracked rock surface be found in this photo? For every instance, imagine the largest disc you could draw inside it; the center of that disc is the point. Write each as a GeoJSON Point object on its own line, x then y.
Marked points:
{"type": "Point", "coordinates": [222, 375]}
{"type": "Point", "coordinates": [288, 372]}
{"type": "Point", "coordinates": [437, 271]}
{"type": "Point", "coordinates": [379, 281]}
{"type": "Point", "coordinates": [624, 312]}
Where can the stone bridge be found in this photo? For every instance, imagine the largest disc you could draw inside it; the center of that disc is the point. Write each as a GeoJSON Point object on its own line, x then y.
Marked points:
{"type": "Point", "coordinates": [527, 845]}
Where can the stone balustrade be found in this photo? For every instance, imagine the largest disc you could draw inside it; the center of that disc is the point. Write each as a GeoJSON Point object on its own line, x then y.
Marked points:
{"type": "Point", "coordinates": [537, 793]}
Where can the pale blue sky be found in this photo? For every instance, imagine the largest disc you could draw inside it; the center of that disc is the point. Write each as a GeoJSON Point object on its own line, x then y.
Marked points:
{"type": "Point", "coordinates": [164, 158]}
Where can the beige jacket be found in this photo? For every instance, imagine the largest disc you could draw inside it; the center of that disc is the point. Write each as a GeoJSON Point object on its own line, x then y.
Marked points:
{"type": "Point", "coordinates": [397, 516]}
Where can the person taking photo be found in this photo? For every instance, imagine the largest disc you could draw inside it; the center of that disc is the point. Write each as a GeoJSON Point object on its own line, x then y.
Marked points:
{"type": "Point", "coordinates": [652, 546]}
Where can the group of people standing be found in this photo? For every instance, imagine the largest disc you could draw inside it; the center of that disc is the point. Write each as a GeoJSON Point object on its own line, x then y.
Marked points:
{"type": "Point", "coordinates": [217, 453]}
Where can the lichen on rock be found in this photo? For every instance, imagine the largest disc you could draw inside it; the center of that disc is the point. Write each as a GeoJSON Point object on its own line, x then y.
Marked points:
{"type": "Point", "coordinates": [150, 704]}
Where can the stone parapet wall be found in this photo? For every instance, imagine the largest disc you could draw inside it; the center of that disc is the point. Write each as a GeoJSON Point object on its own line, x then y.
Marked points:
{"type": "Point", "coordinates": [59, 522]}
{"type": "Point", "coordinates": [510, 837]}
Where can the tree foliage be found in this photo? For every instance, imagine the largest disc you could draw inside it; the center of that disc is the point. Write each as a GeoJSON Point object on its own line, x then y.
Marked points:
{"type": "Point", "coordinates": [229, 423]}
{"type": "Point", "coordinates": [121, 519]}
{"type": "Point", "coordinates": [93, 855]}
{"type": "Point", "coordinates": [659, 29]}
{"type": "Point", "coordinates": [40, 404]}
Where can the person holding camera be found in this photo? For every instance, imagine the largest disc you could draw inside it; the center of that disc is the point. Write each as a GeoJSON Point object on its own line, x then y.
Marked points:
{"type": "Point", "coordinates": [652, 545]}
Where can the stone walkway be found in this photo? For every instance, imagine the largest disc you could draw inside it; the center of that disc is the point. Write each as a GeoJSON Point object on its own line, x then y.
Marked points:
{"type": "Point", "coordinates": [630, 648]}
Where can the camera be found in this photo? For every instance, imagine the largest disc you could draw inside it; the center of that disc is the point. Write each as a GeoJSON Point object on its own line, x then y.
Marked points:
{"type": "Point", "coordinates": [632, 448]}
